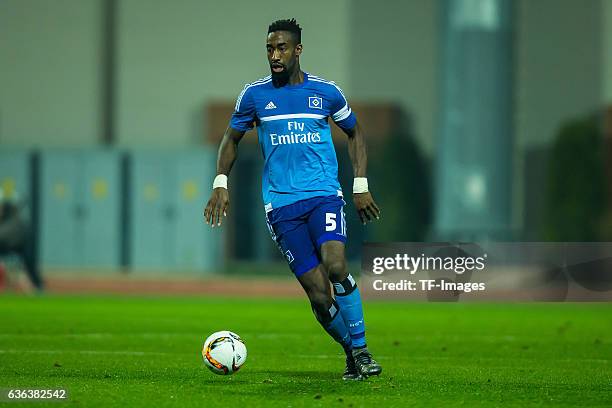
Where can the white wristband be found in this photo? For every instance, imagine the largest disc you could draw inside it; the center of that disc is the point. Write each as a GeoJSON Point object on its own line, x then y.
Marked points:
{"type": "Point", "coordinates": [360, 185]}
{"type": "Point", "coordinates": [220, 181]}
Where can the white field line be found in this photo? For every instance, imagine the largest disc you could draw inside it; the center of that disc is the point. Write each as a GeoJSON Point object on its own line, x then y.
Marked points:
{"type": "Point", "coordinates": [102, 352]}
{"type": "Point", "coordinates": [143, 335]}
{"type": "Point", "coordinates": [305, 356]}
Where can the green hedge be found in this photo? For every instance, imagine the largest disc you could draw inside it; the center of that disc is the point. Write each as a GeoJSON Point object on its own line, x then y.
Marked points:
{"type": "Point", "coordinates": [576, 189]}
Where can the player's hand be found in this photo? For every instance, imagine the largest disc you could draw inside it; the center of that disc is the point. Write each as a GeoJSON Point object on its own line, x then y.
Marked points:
{"type": "Point", "coordinates": [366, 207]}
{"type": "Point", "coordinates": [217, 206]}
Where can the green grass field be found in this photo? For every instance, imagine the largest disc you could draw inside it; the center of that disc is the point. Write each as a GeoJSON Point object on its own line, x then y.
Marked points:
{"type": "Point", "coordinates": [109, 351]}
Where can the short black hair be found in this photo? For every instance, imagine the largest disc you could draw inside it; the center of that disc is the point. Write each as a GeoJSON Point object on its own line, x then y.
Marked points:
{"type": "Point", "coordinates": [287, 25]}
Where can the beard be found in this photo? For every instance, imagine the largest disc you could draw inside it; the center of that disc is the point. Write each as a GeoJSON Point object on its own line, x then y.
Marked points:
{"type": "Point", "coordinates": [280, 78]}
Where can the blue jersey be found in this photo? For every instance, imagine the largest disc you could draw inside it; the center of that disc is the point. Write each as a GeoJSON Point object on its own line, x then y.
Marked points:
{"type": "Point", "coordinates": [294, 136]}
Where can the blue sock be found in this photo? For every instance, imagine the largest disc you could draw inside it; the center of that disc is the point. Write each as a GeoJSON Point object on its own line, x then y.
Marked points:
{"type": "Point", "coordinates": [334, 325]}
{"type": "Point", "coordinates": [349, 300]}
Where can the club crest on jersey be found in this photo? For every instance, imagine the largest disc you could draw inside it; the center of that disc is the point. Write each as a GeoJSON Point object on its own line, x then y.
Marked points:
{"type": "Point", "coordinates": [315, 102]}
{"type": "Point", "coordinates": [270, 105]}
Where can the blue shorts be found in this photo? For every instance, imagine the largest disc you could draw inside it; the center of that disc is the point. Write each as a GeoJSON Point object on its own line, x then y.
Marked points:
{"type": "Point", "coordinates": [301, 228]}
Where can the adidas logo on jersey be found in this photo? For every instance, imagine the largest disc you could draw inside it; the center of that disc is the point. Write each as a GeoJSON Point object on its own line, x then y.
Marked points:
{"type": "Point", "coordinates": [270, 105]}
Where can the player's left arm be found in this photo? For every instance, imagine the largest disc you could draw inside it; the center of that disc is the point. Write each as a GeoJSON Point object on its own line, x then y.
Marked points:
{"type": "Point", "coordinates": [364, 203]}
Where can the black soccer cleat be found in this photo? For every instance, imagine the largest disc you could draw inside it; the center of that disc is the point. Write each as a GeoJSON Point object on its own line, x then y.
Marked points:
{"type": "Point", "coordinates": [365, 364]}
{"type": "Point", "coordinates": [350, 372]}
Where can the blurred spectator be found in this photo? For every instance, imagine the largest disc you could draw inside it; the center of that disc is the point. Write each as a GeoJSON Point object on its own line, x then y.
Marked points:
{"type": "Point", "coordinates": [16, 237]}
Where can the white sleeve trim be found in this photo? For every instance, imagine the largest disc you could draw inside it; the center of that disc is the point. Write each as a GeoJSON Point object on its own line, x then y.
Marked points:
{"type": "Point", "coordinates": [342, 114]}
{"type": "Point", "coordinates": [237, 107]}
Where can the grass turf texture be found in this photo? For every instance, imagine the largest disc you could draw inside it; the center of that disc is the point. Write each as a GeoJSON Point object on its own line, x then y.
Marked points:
{"type": "Point", "coordinates": [146, 352]}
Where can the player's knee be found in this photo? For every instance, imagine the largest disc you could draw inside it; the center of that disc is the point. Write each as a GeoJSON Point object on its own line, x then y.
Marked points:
{"type": "Point", "coordinates": [336, 269]}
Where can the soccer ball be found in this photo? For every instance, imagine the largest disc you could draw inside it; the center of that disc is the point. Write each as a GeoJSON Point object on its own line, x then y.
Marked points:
{"type": "Point", "coordinates": [224, 352]}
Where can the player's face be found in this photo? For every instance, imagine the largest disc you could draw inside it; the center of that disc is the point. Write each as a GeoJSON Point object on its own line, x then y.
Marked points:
{"type": "Point", "coordinates": [283, 53]}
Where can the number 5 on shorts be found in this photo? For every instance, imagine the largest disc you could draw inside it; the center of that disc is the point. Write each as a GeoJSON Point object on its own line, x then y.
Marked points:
{"type": "Point", "coordinates": [330, 222]}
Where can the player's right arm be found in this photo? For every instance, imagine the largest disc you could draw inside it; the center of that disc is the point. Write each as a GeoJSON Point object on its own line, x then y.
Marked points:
{"type": "Point", "coordinates": [219, 199]}
{"type": "Point", "coordinates": [242, 120]}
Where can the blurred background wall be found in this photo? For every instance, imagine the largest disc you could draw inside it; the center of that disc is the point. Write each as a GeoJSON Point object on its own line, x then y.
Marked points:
{"type": "Point", "coordinates": [51, 73]}
{"type": "Point", "coordinates": [173, 57]}
{"type": "Point", "coordinates": [136, 74]}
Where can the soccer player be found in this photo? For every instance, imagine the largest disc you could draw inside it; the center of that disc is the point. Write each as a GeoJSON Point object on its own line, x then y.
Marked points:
{"type": "Point", "coordinates": [301, 193]}
{"type": "Point", "coordinates": [16, 238]}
